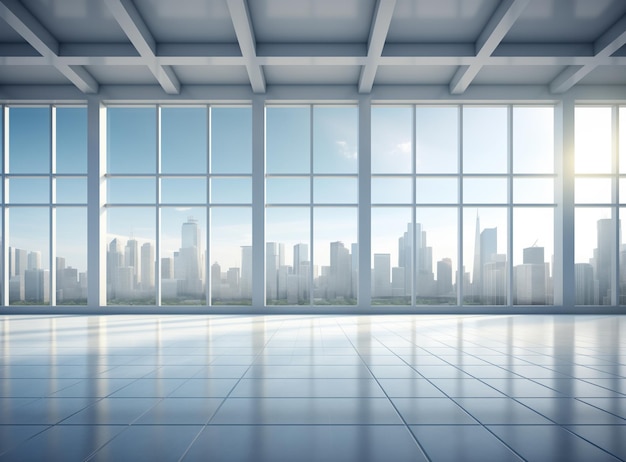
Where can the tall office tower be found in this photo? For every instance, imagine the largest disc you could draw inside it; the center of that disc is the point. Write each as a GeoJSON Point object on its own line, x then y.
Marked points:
{"type": "Point", "coordinates": [494, 279]}
{"type": "Point", "coordinates": [34, 260]}
{"type": "Point", "coordinates": [232, 282]}
{"type": "Point", "coordinates": [340, 282]}
{"type": "Point", "coordinates": [37, 285]}
{"type": "Point", "coordinates": [216, 281]}
{"type": "Point", "coordinates": [354, 255]}
{"type": "Point", "coordinates": [147, 266]}
{"type": "Point", "coordinates": [245, 282]}
{"type": "Point", "coordinates": [603, 260]}
{"type": "Point", "coordinates": [190, 234]}
{"type": "Point", "coordinates": [18, 263]}
{"type": "Point", "coordinates": [585, 287]}
{"type": "Point", "coordinates": [424, 277]}
{"type": "Point", "coordinates": [131, 260]}
{"type": "Point", "coordinates": [115, 261]}
{"type": "Point", "coordinates": [477, 267]}
{"type": "Point", "coordinates": [531, 278]}
{"type": "Point", "coordinates": [300, 255]}
{"type": "Point", "coordinates": [622, 275]}
{"type": "Point", "coordinates": [381, 286]}
{"type": "Point", "coordinates": [444, 277]}
{"type": "Point", "coordinates": [301, 270]}
{"type": "Point", "coordinates": [271, 270]}
{"type": "Point", "coordinates": [167, 268]}
{"type": "Point", "coordinates": [488, 254]}
{"type": "Point", "coordinates": [188, 267]}
{"type": "Point", "coordinates": [405, 256]}
{"type": "Point", "coordinates": [397, 282]}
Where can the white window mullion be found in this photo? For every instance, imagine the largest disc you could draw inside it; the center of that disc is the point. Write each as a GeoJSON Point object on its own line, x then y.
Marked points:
{"type": "Point", "coordinates": [509, 250]}
{"type": "Point", "coordinates": [460, 273]}
{"type": "Point", "coordinates": [364, 298]}
{"type": "Point", "coordinates": [157, 235]}
{"type": "Point", "coordinates": [258, 202]}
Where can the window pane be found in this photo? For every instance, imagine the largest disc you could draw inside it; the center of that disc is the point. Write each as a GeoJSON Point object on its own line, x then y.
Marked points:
{"type": "Point", "coordinates": [622, 190]}
{"type": "Point", "coordinates": [533, 139]}
{"type": "Point", "coordinates": [592, 190]}
{"type": "Point", "coordinates": [71, 190]}
{"type": "Point", "coordinates": [437, 139]}
{"type": "Point", "coordinates": [29, 140]}
{"type": "Point", "coordinates": [622, 257]}
{"type": "Point", "coordinates": [335, 139]}
{"type": "Point", "coordinates": [29, 255]}
{"type": "Point", "coordinates": [131, 140]}
{"type": "Point", "coordinates": [437, 190]}
{"type": "Point", "coordinates": [392, 190]}
{"type": "Point", "coordinates": [131, 190]}
{"type": "Point", "coordinates": [592, 138]}
{"type": "Point", "coordinates": [392, 134]}
{"type": "Point", "coordinates": [533, 190]}
{"type": "Point", "coordinates": [288, 191]}
{"type": "Point", "coordinates": [231, 256]}
{"type": "Point", "coordinates": [335, 256]}
{"type": "Point", "coordinates": [287, 140]}
{"type": "Point", "coordinates": [231, 191]}
{"type": "Point", "coordinates": [391, 268]}
{"type": "Point", "coordinates": [335, 190]}
{"type": "Point", "coordinates": [485, 139]}
{"type": "Point", "coordinates": [71, 153]}
{"type": "Point", "coordinates": [287, 232]}
{"type": "Point", "coordinates": [436, 254]}
{"type": "Point", "coordinates": [130, 255]}
{"type": "Point", "coordinates": [484, 253]}
{"type": "Point", "coordinates": [29, 190]}
{"type": "Point", "coordinates": [231, 140]}
{"type": "Point", "coordinates": [2, 144]}
{"type": "Point", "coordinates": [71, 255]}
{"type": "Point", "coordinates": [533, 250]}
{"type": "Point", "coordinates": [183, 190]}
{"type": "Point", "coordinates": [182, 256]}
{"type": "Point", "coordinates": [184, 140]}
{"type": "Point", "coordinates": [484, 190]}
{"type": "Point", "coordinates": [595, 238]}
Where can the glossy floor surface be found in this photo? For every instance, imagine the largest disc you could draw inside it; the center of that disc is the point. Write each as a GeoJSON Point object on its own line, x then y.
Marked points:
{"type": "Point", "coordinates": [313, 388]}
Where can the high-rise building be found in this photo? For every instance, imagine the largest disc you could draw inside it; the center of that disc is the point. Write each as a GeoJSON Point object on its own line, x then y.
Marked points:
{"type": "Point", "coordinates": [246, 272]}
{"type": "Point", "coordinates": [131, 260]}
{"type": "Point", "coordinates": [147, 267]}
{"type": "Point", "coordinates": [444, 277]}
{"type": "Point", "coordinates": [340, 283]}
{"type": "Point", "coordinates": [530, 279]}
{"type": "Point", "coordinates": [585, 287]}
{"type": "Point", "coordinates": [381, 285]}
{"type": "Point", "coordinates": [603, 261]}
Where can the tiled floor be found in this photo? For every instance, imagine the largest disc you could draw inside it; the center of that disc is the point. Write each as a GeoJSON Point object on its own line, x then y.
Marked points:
{"type": "Point", "coordinates": [313, 388]}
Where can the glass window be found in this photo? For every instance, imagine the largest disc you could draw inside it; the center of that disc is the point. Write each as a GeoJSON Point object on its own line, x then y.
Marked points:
{"type": "Point", "coordinates": [287, 140]}
{"type": "Point", "coordinates": [594, 247]}
{"type": "Point", "coordinates": [392, 145]}
{"type": "Point", "coordinates": [437, 190]}
{"type": "Point", "coordinates": [131, 238]}
{"type": "Point", "coordinates": [184, 140]}
{"type": "Point", "coordinates": [288, 190]}
{"type": "Point", "coordinates": [183, 190]}
{"type": "Point", "coordinates": [29, 140]}
{"type": "Point", "coordinates": [437, 139]}
{"type": "Point", "coordinates": [71, 190]}
{"type": "Point", "coordinates": [533, 139]}
{"type": "Point", "coordinates": [131, 190]}
{"type": "Point", "coordinates": [231, 190]}
{"type": "Point", "coordinates": [335, 139]}
{"type": "Point", "coordinates": [29, 190]}
{"type": "Point", "coordinates": [392, 190]}
{"type": "Point", "coordinates": [71, 256]}
{"type": "Point", "coordinates": [131, 140]}
{"type": "Point", "coordinates": [533, 190]}
{"type": "Point", "coordinates": [485, 139]}
{"type": "Point", "coordinates": [335, 190]}
{"type": "Point", "coordinates": [485, 190]}
{"type": "Point", "coordinates": [622, 139]}
{"type": "Point", "coordinates": [593, 190]}
{"type": "Point", "coordinates": [29, 255]}
{"type": "Point", "coordinates": [183, 259]}
{"type": "Point", "coordinates": [231, 256]}
{"type": "Point", "coordinates": [593, 140]}
{"type": "Point", "coordinates": [71, 140]}
{"type": "Point", "coordinates": [485, 255]}
{"type": "Point", "coordinates": [231, 140]}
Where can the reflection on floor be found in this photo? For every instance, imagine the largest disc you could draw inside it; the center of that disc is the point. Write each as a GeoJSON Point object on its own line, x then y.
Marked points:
{"type": "Point", "coordinates": [322, 388]}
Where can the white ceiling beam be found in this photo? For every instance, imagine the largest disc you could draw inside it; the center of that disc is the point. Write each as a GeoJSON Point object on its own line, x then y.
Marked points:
{"type": "Point", "coordinates": [133, 25]}
{"type": "Point", "coordinates": [25, 24]}
{"type": "Point", "coordinates": [607, 44]}
{"type": "Point", "coordinates": [240, 16]}
{"type": "Point", "coordinates": [507, 12]}
{"type": "Point", "coordinates": [376, 43]}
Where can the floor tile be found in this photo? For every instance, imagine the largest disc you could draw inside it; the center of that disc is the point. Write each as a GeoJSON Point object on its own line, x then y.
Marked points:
{"type": "Point", "coordinates": [303, 372]}
{"type": "Point", "coordinates": [204, 388]}
{"type": "Point", "coordinates": [410, 388]}
{"type": "Point", "coordinates": [522, 388]}
{"type": "Point", "coordinates": [569, 411]}
{"type": "Point", "coordinates": [500, 411]}
{"type": "Point", "coordinates": [432, 411]}
{"type": "Point", "coordinates": [12, 435]}
{"type": "Point", "coordinates": [577, 388]}
{"type": "Point", "coordinates": [44, 411]}
{"type": "Point", "coordinates": [320, 411]}
{"type": "Point", "coordinates": [112, 411]}
{"type": "Point", "coordinates": [308, 388]}
{"type": "Point", "coordinates": [609, 437]}
{"type": "Point", "coordinates": [466, 443]}
{"type": "Point", "coordinates": [181, 411]}
{"type": "Point", "coordinates": [261, 443]}
{"type": "Point", "coordinates": [94, 387]}
{"type": "Point", "coordinates": [537, 443]}
{"type": "Point", "coordinates": [615, 406]}
{"type": "Point", "coordinates": [468, 388]}
{"type": "Point", "coordinates": [148, 388]}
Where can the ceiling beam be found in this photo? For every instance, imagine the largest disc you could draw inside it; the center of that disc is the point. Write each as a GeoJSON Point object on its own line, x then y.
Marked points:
{"type": "Point", "coordinates": [133, 25]}
{"type": "Point", "coordinates": [507, 12]}
{"type": "Point", "coordinates": [240, 16]}
{"type": "Point", "coordinates": [25, 24]}
{"type": "Point", "coordinates": [607, 44]}
{"type": "Point", "coordinates": [376, 43]}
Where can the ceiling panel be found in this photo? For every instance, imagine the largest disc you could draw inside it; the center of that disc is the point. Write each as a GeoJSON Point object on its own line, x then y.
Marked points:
{"type": "Point", "coordinates": [606, 75]}
{"type": "Point", "coordinates": [77, 20]}
{"type": "Point", "coordinates": [31, 75]}
{"type": "Point", "coordinates": [122, 75]}
{"type": "Point", "coordinates": [312, 21]}
{"type": "Point", "coordinates": [8, 34]}
{"type": "Point", "coordinates": [311, 75]}
{"type": "Point", "coordinates": [212, 75]}
{"type": "Point", "coordinates": [441, 21]}
{"type": "Point", "coordinates": [517, 75]}
{"type": "Point", "coordinates": [562, 21]}
{"type": "Point", "coordinates": [414, 75]}
{"type": "Point", "coordinates": [189, 21]}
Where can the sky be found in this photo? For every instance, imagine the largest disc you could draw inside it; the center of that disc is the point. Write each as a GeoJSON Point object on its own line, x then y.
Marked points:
{"type": "Point", "coordinates": [317, 147]}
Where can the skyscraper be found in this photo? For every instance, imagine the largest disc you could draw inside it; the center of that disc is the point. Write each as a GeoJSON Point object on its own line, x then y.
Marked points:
{"type": "Point", "coordinates": [147, 267]}
{"type": "Point", "coordinates": [381, 286]}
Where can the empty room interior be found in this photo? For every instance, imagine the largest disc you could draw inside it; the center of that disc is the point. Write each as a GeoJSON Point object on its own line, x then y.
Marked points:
{"type": "Point", "coordinates": [313, 230]}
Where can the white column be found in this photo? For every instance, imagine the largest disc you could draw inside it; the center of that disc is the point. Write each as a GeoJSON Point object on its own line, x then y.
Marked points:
{"type": "Point", "coordinates": [96, 197]}
{"type": "Point", "coordinates": [258, 202]}
{"type": "Point", "coordinates": [365, 204]}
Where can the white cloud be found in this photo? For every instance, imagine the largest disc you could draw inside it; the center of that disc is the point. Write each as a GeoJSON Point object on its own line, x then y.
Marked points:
{"type": "Point", "coordinates": [404, 148]}
{"type": "Point", "coordinates": [345, 150]}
